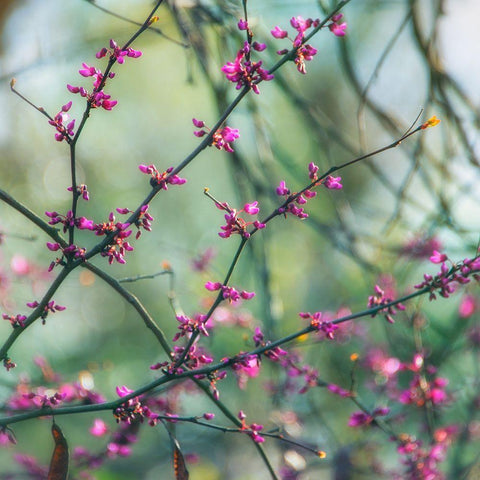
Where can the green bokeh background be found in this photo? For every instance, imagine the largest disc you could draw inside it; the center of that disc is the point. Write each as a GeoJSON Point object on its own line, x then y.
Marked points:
{"type": "Point", "coordinates": [43, 46]}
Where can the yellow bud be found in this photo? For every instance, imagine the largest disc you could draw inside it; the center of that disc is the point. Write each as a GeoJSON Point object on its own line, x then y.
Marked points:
{"type": "Point", "coordinates": [354, 357]}
{"type": "Point", "coordinates": [431, 122]}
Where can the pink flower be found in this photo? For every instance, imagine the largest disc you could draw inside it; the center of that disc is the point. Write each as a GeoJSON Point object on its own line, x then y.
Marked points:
{"type": "Point", "coordinates": [99, 428]}
{"type": "Point", "coordinates": [333, 183]}
{"type": "Point", "coordinates": [213, 286]}
{"type": "Point", "coordinates": [242, 24]}
{"type": "Point", "coordinates": [251, 208]}
{"type": "Point", "coordinates": [277, 32]}
{"type": "Point", "coordinates": [467, 307]}
{"type": "Point", "coordinates": [438, 257]}
{"type": "Point", "coordinates": [336, 28]}
{"type": "Point", "coordinates": [282, 189]}
{"type": "Point", "coordinates": [123, 391]}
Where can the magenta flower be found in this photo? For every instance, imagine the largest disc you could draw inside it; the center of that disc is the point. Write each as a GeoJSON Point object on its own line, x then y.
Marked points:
{"type": "Point", "coordinates": [259, 47]}
{"type": "Point", "coordinates": [244, 72]}
{"type": "Point", "coordinates": [282, 189]}
{"type": "Point", "coordinates": [251, 208]}
{"type": "Point", "coordinates": [224, 137]}
{"type": "Point", "coordinates": [438, 257]}
{"type": "Point", "coordinates": [161, 179]}
{"type": "Point", "coordinates": [221, 139]}
{"type": "Point", "coordinates": [320, 325]}
{"type": "Point", "coordinates": [99, 428]}
{"type": "Point", "coordinates": [333, 183]}
{"type": "Point", "coordinates": [123, 391]}
{"type": "Point", "coordinates": [304, 52]}
{"type": "Point", "coordinates": [277, 32]}
{"type": "Point", "coordinates": [242, 24]}
{"type": "Point", "coordinates": [338, 29]}
{"type": "Point", "coordinates": [467, 307]}
{"type": "Point", "coordinates": [15, 320]}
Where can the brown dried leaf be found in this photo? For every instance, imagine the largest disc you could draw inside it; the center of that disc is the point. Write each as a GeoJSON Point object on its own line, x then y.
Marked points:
{"type": "Point", "coordinates": [59, 463]}
{"type": "Point", "coordinates": [179, 465]}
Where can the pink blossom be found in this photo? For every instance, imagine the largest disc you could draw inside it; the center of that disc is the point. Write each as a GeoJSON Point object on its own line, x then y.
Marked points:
{"type": "Point", "coordinates": [467, 307]}
{"type": "Point", "coordinates": [438, 257]}
{"type": "Point", "coordinates": [242, 24]}
{"type": "Point", "coordinates": [333, 183]}
{"type": "Point", "coordinates": [338, 29]}
{"type": "Point", "coordinates": [251, 208]}
{"type": "Point", "coordinates": [277, 32]}
{"type": "Point", "coordinates": [99, 428]}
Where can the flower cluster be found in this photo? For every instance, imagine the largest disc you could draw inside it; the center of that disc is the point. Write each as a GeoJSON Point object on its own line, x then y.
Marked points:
{"type": "Point", "coordinates": [221, 139]}
{"type": "Point", "coordinates": [98, 98]}
{"type": "Point", "coordinates": [190, 325]}
{"type": "Point", "coordinates": [380, 298]}
{"type": "Point", "coordinates": [229, 293]}
{"type": "Point", "coordinates": [195, 358]}
{"type": "Point", "coordinates": [294, 200]}
{"type": "Point", "coordinates": [422, 390]}
{"type": "Point", "coordinates": [338, 29]}
{"type": "Point", "coordinates": [420, 247]}
{"type": "Point", "coordinates": [445, 280]}
{"type": "Point", "coordinates": [82, 191]}
{"type": "Point", "coordinates": [161, 179]}
{"type": "Point", "coordinates": [69, 221]}
{"type": "Point", "coordinates": [242, 70]}
{"type": "Point", "coordinates": [303, 52]}
{"type": "Point", "coordinates": [245, 367]}
{"type": "Point", "coordinates": [423, 462]}
{"type": "Point", "coordinates": [316, 322]}
{"type": "Point", "coordinates": [251, 429]}
{"type": "Point", "coordinates": [360, 419]}
{"type": "Point", "coordinates": [50, 307]}
{"type": "Point", "coordinates": [15, 320]}
{"type": "Point", "coordinates": [143, 219]}
{"type": "Point", "coordinates": [117, 53]}
{"type": "Point", "coordinates": [132, 409]}
{"type": "Point", "coordinates": [118, 245]}
{"type": "Point", "coordinates": [275, 353]}
{"type": "Point", "coordinates": [234, 223]}
{"type": "Point", "coordinates": [64, 129]}
{"type": "Point", "coordinates": [72, 251]}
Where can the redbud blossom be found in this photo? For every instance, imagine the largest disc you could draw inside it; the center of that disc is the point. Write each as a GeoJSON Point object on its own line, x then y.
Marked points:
{"type": "Point", "coordinates": [336, 28]}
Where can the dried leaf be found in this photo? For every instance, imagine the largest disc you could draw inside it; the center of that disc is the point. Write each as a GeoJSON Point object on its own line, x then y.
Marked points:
{"type": "Point", "coordinates": [59, 463]}
{"type": "Point", "coordinates": [179, 466]}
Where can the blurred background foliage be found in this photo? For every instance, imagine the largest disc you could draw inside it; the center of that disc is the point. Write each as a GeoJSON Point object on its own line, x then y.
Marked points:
{"type": "Point", "coordinates": [361, 92]}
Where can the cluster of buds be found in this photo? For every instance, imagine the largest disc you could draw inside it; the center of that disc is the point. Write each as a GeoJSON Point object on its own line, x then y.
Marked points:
{"type": "Point", "coordinates": [161, 179]}
{"type": "Point", "coordinates": [117, 53]}
{"type": "Point", "coordinates": [15, 320]}
{"type": "Point", "coordinates": [221, 139]}
{"type": "Point", "coordinates": [234, 223]}
{"type": "Point", "coordinates": [316, 322]}
{"type": "Point", "coordinates": [445, 280]}
{"type": "Point", "coordinates": [229, 293]}
{"type": "Point", "coordinates": [64, 129]}
{"type": "Point", "coordinates": [252, 429]}
{"type": "Point", "coordinates": [143, 220]}
{"type": "Point", "coordinates": [50, 307]}
{"type": "Point", "coordinates": [242, 71]}
{"type": "Point", "coordinates": [380, 298]}
{"type": "Point", "coordinates": [189, 325]}
{"type": "Point", "coordinates": [294, 200]}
